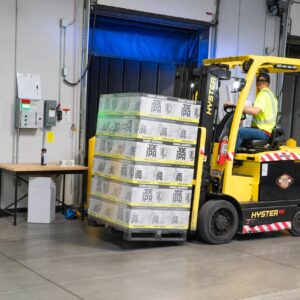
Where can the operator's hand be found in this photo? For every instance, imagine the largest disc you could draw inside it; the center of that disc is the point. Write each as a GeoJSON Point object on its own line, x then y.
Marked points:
{"type": "Point", "coordinates": [228, 103]}
{"type": "Point", "coordinates": [229, 107]}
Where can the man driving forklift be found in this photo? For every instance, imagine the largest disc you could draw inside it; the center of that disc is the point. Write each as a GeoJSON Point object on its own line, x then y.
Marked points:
{"type": "Point", "coordinates": [253, 191]}
{"type": "Point", "coordinates": [264, 112]}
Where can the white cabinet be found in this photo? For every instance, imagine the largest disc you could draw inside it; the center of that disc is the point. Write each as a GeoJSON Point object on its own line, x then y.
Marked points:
{"type": "Point", "coordinates": [41, 200]}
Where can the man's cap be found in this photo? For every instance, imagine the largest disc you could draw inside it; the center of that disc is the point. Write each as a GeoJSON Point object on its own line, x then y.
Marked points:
{"type": "Point", "coordinates": [264, 77]}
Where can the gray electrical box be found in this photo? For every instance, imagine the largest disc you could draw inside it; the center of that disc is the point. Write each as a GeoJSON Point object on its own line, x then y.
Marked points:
{"type": "Point", "coordinates": [29, 113]}
{"type": "Point", "coordinates": [50, 113]}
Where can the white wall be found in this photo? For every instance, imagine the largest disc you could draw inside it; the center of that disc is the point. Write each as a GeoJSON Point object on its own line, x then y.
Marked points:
{"type": "Point", "coordinates": [7, 78]}
{"type": "Point", "coordinates": [201, 10]}
{"type": "Point", "coordinates": [37, 41]}
{"type": "Point", "coordinates": [245, 28]}
{"type": "Point", "coordinates": [295, 19]}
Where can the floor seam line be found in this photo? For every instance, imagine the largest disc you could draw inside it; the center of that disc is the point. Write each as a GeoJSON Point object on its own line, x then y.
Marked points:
{"type": "Point", "coordinates": [264, 258]}
{"type": "Point", "coordinates": [128, 273]}
{"type": "Point", "coordinates": [40, 275]}
{"type": "Point", "coordinates": [266, 294]}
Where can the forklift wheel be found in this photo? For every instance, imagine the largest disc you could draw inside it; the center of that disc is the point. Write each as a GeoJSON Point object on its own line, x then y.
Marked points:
{"type": "Point", "coordinates": [217, 222]}
{"type": "Point", "coordinates": [295, 230]}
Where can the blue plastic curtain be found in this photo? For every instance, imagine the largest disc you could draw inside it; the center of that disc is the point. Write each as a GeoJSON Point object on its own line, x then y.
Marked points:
{"type": "Point", "coordinates": [144, 42]}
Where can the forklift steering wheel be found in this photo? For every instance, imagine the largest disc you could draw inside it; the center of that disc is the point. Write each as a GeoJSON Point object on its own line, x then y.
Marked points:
{"type": "Point", "coordinates": [230, 109]}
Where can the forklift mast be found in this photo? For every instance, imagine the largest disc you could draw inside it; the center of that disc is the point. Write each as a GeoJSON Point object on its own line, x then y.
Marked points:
{"type": "Point", "coordinates": [202, 85]}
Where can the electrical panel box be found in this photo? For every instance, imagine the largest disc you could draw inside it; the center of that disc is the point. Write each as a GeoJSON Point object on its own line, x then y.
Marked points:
{"type": "Point", "coordinates": [29, 113]}
{"type": "Point", "coordinates": [50, 113]}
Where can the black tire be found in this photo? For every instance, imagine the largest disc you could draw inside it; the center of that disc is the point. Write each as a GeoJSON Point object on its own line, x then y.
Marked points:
{"type": "Point", "coordinates": [217, 222]}
{"type": "Point", "coordinates": [295, 229]}
{"type": "Point", "coordinates": [91, 223]}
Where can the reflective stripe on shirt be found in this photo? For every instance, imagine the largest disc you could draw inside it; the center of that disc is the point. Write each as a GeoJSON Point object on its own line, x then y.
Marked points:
{"type": "Point", "coordinates": [274, 110]}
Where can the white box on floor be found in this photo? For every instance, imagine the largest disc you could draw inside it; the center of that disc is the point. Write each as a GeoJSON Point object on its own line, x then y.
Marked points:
{"type": "Point", "coordinates": [41, 200]}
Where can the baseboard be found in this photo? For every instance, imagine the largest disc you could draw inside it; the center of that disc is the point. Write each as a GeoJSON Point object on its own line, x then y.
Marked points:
{"type": "Point", "coordinates": [22, 210]}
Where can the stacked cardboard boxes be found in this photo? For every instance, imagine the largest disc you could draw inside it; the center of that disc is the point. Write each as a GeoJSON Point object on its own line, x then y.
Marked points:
{"type": "Point", "coordinates": [143, 161]}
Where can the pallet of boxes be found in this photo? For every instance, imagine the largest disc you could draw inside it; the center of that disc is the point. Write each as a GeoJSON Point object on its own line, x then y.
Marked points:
{"type": "Point", "coordinates": [144, 164]}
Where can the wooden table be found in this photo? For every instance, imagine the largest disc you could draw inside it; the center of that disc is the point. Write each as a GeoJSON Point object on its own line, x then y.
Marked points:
{"type": "Point", "coordinates": [20, 170]}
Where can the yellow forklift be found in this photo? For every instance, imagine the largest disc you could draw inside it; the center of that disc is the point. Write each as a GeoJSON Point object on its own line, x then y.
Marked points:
{"type": "Point", "coordinates": [256, 189]}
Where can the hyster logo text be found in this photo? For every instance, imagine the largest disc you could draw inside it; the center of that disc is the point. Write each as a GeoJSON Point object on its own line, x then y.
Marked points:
{"type": "Point", "coordinates": [264, 213]}
{"type": "Point", "coordinates": [210, 100]}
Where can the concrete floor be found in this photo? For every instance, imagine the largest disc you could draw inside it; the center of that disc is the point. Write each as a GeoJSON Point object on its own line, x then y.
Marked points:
{"type": "Point", "coordinates": [68, 260]}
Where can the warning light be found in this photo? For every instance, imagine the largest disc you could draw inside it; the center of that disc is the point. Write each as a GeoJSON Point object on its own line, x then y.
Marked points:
{"type": "Point", "coordinates": [285, 67]}
{"type": "Point", "coordinates": [25, 101]}
{"type": "Point", "coordinates": [25, 104]}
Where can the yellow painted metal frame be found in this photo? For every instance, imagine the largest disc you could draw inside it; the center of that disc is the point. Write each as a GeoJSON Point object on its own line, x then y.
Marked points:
{"type": "Point", "coordinates": [92, 142]}
{"type": "Point", "coordinates": [263, 62]}
{"type": "Point", "coordinates": [198, 180]}
{"type": "Point", "coordinates": [259, 62]}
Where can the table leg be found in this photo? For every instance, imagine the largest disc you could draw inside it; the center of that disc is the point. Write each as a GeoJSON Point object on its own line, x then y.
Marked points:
{"type": "Point", "coordinates": [84, 192]}
{"type": "Point", "coordinates": [63, 195]}
{"type": "Point", "coordinates": [16, 200]}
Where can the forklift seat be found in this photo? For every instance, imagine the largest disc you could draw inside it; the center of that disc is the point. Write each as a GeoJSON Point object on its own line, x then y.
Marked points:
{"type": "Point", "coordinates": [277, 139]}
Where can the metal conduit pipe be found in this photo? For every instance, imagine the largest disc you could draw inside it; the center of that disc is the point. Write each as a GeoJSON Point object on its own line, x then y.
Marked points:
{"type": "Point", "coordinates": [83, 84]}
{"type": "Point", "coordinates": [282, 48]}
{"type": "Point", "coordinates": [16, 131]}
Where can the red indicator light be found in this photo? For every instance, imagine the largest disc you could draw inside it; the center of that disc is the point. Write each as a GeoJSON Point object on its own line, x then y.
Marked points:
{"type": "Point", "coordinates": [25, 101]}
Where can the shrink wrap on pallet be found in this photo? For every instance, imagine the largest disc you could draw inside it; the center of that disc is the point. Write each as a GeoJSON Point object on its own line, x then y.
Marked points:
{"type": "Point", "coordinates": [147, 128]}
{"type": "Point", "coordinates": [150, 151]}
{"type": "Point", "coordinates": [142, 173]}
{"type": "Point", "coordinates": [141, 195]}
{"type": "Point", "coordinates": [150, 105]}
{"type": "Point", "coordinates": [138, 217]}
{"type": "Point", "coordinates": [143, 162]}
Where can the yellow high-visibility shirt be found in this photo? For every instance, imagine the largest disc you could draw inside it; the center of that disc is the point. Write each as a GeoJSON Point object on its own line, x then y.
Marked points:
{"type": "Point", "coordinates": [267, 102]}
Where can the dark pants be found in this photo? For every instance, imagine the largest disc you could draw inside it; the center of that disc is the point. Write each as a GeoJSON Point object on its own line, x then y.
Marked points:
{"type": "Point", "coordinates": [246, 133]}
